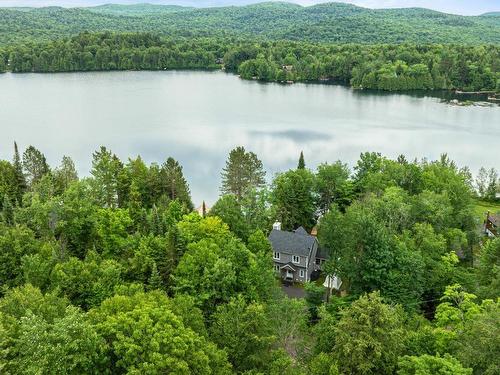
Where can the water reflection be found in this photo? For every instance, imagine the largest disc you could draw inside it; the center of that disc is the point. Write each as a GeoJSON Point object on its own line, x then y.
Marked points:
{"type": "Point", "coordinates": [197, 117]}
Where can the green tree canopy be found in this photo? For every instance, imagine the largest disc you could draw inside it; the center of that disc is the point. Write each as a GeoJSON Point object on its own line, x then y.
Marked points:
{"type": "Point", "coordinates": [243, 172]}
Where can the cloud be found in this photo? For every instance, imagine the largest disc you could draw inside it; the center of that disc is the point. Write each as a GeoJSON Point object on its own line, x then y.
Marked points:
{"type": "Point", "coordinates": [295, 135]}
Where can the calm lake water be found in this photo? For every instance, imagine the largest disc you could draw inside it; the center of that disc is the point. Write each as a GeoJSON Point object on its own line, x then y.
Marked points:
{"type": "Point", "coordinates": [197, 117]}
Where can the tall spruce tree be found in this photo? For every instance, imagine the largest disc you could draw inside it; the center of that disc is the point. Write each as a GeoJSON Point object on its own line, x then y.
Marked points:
{"type": "Point", "coordinates": [302, 163]}
{"type": "Point", "coordinates": [20, 178]}
{"type": "Point", "coordinates": [243, 172]}
{"type": "Point", "coordinates": [204, 209]}
{"type": "Point", "coordinates": [154, 281]}
{"type": "Point", "coordinates": [174, 184]}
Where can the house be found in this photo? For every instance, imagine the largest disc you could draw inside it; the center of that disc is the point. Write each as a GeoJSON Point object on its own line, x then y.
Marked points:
{"type": "Point", "coordinates": [491, 225]}
{"type": "Point", "coordinates": [294, 253]}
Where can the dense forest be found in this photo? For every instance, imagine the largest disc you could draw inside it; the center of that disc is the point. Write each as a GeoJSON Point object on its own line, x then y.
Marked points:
{"type": "Point", "coordinates": [384, 67]}
{"type": "Point", "coordinates": [115, 274]}
{"type": "Point", "coordinates": [330, 22]}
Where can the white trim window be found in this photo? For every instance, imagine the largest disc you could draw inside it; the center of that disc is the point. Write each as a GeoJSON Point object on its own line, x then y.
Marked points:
{"type": "Point", "coordinates": [276, 267]}
{"type": "Point", "coordinates": [276, 255]}
{"type": "Point", "coordinates": [301, 273]}
{"type": "Point", "coordinates": [296, 259]}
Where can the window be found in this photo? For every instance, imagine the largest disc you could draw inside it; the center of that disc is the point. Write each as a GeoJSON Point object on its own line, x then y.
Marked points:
{"type": "Point", "coordinates": [296, 259]}
{"type": "Point", "coordinates": [276, 267]}
{"type": "Point", "coordinates": [301, 273]}
{"type": "Point", "coordinates": [276, 255]}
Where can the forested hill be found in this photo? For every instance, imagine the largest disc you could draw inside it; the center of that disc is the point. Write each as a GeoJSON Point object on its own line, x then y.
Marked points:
{"type": "Point", "coordinates": [330, 22]}
{"type": "Point", "coordinates": [491, 14]}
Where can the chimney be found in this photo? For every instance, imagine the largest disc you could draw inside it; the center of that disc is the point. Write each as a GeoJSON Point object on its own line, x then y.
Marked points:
{"type": "Point", "coordinates": [277, 226]}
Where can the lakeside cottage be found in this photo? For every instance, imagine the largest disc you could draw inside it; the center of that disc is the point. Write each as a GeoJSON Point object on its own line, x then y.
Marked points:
{"type": "Point", "coordinates": [296, 254]}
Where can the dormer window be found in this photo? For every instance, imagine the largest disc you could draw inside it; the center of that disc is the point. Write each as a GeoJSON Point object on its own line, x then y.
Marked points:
{"type": "Point", "coordinates": [296, 259]}
{"type": "Point", "coordinates": [276, 255]}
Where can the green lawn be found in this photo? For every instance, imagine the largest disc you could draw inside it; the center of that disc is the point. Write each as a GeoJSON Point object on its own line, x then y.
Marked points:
{"type": "Point", "coordinates": [481, 207]}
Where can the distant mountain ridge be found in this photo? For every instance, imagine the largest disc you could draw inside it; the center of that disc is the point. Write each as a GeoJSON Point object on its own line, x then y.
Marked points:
{"type": "Point", "coordinates": [491, 14]}
{"type": "Point", "coordinates": [137, 9]}
{"type": "Point", "coordinates": [327, 22]}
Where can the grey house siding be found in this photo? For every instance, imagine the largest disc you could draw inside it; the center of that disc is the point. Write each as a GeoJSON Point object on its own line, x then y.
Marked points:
{"type": "Point", "coordinates": [302, 265]}
{"type": "Point", "coordinates": [312, 258]}
{"type": "Point", "coordinates": [288, 258]}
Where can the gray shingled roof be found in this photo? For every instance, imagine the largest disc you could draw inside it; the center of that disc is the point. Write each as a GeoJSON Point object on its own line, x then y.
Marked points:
{"type": "Point", "coordinates": [301, 230]}
{"type": "Point", "coordinates": [495, 219]}
{"type": "Point", "coordinates": [322, 253]}
{"type": "Point", "coordinates": [291, 242]}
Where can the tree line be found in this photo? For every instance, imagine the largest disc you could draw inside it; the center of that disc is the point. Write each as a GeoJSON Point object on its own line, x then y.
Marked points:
{"type": "Point", "coordinates": [381, 67]}
{"type": "Point", "coordinates": [115, 273]}
{"type": "Point", "coordinates": [330, 22]}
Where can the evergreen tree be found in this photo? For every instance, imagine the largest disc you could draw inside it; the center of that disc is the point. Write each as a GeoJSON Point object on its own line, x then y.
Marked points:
{"type": "Point", "coordinates": [7, 211]}
{"type": "Point", "coordinates": [156, 223]}
{"type": "Point", "coordinates": [154, 281]}
{"type": "Point", "coordinates": [35, 165]}
{"type": "Point", "coordinates": [174, 184]}
{"type": "Point", "coordinates": [106, 168]}
{"type": "Point", "coordinates": [176, 245]}
{"type": "Point", "coordinates": [243, 171]}
{"type": "Point", "coordinates": [20, 178]}
{"type": "Point", "coordinates": [491, 188]}
{"type": "Point", "coordinates": [302, 163]}
{"type": "Point", "coordinates": [65, 174]}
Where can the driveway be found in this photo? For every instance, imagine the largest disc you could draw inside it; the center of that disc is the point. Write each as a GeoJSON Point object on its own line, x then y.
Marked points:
{"type": "Point", "coordinates": [293, 291]}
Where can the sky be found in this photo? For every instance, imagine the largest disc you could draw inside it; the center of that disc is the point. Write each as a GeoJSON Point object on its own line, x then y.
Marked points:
{"type": "Point", "coordinates": [465, 7]}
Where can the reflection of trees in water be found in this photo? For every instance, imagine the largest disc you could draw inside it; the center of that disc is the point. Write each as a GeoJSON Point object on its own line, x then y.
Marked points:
{"type": "Point", "coordinates": [445, 95]}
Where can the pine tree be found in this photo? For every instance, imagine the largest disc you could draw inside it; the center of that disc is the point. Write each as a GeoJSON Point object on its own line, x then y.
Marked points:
{"type": "Point", "coordinates": [174, 184]}
{"type": "Point", "coordinates": [135, 209]}
{"type": "Point", "coordinates": [156, 222]}
{"type": "Point", "coordinates": [35, 165]}
{"type": "Point", "coordinates": [20, 178]}
{"type": "Point", "coordinates": [176, 247]}
{"type": "Point", "coordinates": [204, 209]}
{"type": "Point", "coordinates": [302, 163]}
{"type": "Point", "coordinates": [154, 281]}
{"type": "Point", "coordinates": [243, 172]}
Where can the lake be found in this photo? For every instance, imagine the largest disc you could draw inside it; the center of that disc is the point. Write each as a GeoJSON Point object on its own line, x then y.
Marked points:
{"type": "Point", "coordinates": [198, 117]}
